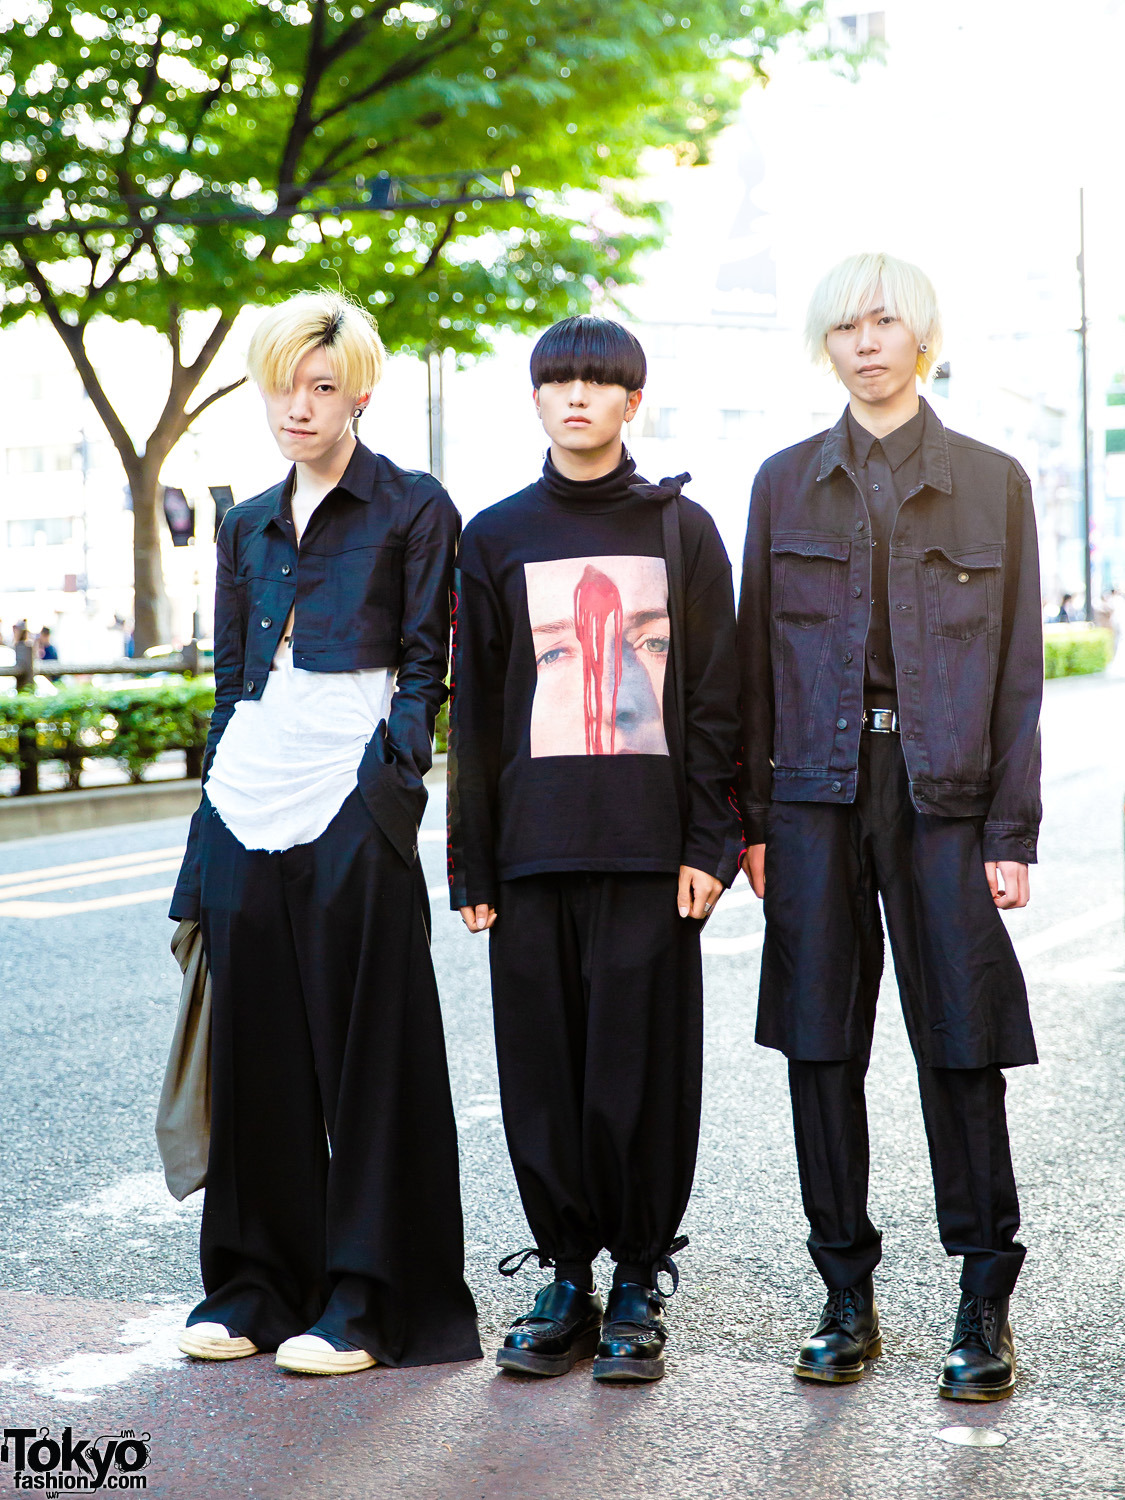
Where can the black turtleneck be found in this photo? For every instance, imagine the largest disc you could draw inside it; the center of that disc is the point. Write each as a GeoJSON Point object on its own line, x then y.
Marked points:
{"type": "Point", "coordinates": [568, 749]}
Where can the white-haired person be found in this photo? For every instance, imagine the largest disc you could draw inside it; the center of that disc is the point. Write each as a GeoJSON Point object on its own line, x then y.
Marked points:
{"type": "Point", "coordinates": [332, 1229]}
{"type": "Point", "coordinates": [892, 675]}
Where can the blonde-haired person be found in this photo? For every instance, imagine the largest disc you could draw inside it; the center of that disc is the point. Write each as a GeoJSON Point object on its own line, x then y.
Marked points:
{"type": "Point", "coordinates": [892, 673]}
{"type": "Point", "coordinates": [332, 1227]}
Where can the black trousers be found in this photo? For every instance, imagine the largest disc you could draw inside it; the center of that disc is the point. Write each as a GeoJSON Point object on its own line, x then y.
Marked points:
{"type": "Point", "coordinates": [597, 993]}
{"type": "Point", "coordinates": [332, 1182]}
{"type": "Point", "coordinates": [826, 868]}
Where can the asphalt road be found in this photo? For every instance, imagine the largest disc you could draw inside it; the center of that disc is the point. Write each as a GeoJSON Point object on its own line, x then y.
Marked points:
{"type": "Point", "coordinates": [97, 1262]}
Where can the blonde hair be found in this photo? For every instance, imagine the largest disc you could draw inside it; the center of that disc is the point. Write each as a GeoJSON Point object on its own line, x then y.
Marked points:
{"type": "Point", "coordinates": [317, 320]}
{"type": "Point", "coordinates": [865, 281]}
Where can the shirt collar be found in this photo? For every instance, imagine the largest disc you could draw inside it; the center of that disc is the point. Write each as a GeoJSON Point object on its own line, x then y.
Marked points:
{"type": "Point", "coordinates": [897, 445]}
{"type": "Point", "coordinates": [933, 467]}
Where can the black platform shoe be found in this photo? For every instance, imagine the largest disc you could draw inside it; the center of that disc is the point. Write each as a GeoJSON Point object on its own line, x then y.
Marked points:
{"type": "Point", "coordinates": [561, 1329]}
{"type": "Point", "coordinates": [981, 1363]}
{"type": "Point", "coordinates": [633, 1335]}
{"type": "Point", "coordinates": [847, 1334]}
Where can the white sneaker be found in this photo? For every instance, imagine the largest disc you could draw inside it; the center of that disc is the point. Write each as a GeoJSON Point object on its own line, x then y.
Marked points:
{"type": "Point", "coordinates": [309, 1354]}
{"type": "Point", "coordinates": [214, 1341]}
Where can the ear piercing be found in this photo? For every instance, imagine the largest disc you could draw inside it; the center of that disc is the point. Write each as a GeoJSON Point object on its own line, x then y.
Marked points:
{"type": "Point", "coordinates": [923, 347]}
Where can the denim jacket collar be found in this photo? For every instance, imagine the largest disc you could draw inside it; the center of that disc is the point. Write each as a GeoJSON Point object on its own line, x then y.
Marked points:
{"type": "Point", "coordinates": [358, 480]}
{"type": "Point", "coordinates": [933, 468]}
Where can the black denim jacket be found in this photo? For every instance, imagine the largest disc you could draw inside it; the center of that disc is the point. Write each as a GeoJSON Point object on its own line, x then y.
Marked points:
{"type": "Point", "coordinates": [370, 587]}
{"type": "Point", "coordinates": [965, 626]}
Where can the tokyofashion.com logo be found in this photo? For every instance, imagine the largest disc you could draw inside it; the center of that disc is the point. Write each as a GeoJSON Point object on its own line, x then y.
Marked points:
{"type": "Point", "coordinates": [66, 1464]}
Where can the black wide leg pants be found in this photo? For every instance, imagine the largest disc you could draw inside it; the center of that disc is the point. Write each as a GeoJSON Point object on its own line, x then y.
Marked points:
{"type": "Point", "coordinates": [963, 998]}
{"type": "Point", "coordinates": [332, 1182]}
{"type": "Point", "coordinates": [597, 992]}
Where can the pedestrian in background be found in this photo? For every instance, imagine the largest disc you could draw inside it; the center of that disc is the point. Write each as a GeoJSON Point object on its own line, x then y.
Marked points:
{"type": "Point", "coordinates": [892, 674]}
{"type": "Point", "coordinates": [332, 1227]}
{"type": "Point", "coordinates": [43, 647]}
{"type": "Point", "coordinates": [593, 736]}
{"type": "Point", "coordinates": [1065, 614]}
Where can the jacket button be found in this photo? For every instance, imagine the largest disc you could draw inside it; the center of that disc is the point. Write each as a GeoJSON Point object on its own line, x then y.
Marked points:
{"type": "Point", "coordinates": [1029, 843]}
{"type": "Point", "coordinates": [286, 570]}
{"type": "Point", "coordinates": [250, 687]}
{"type": "Point", "coordinates": [921, 796]}
{"type": "Point", "coordinates": [841, 723]}
{"type": "Point", "coordinates": [962, 578]}
{"type": "Point", "coordinates": [856, 591]}
{"type": "Point", "coordinates": [266, 623]}
{"type": "Point", "coordinates": [859, 525]}
{"type": "Point", "coordinates": [847, 656]}
{"type": "Point", "coordinates": [837, 787]}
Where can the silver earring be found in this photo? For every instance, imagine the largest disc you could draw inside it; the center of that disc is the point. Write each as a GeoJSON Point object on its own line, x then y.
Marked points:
{"type": "Point", "coordinates": [923, 348]}
{"type": "Point", "coordinates": [359, 409]}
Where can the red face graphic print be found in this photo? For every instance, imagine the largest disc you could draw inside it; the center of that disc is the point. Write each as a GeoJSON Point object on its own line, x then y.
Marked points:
{"type": "Point", "coordinates": [600, 631]}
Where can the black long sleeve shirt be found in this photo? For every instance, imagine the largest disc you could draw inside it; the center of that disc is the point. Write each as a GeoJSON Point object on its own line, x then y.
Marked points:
{"type": "Point", "coordinates": [566, 748]}
{"type": "Point", "coordinates": [886, 470]}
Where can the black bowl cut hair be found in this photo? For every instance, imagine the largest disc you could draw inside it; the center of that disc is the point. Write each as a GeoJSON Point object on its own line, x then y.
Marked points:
{"type": "Point", "coordinates": [589, 348]}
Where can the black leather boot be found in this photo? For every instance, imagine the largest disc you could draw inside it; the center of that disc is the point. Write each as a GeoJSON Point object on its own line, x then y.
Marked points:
{"type": "Point", "coordinates": [561, 1329]}
{"type": "Point", "coordinates": [847, 1334]}
{"type": "Point", "coordinates": [633, 1334]}
{"type": "Point", "coordinates": [981, 1363]}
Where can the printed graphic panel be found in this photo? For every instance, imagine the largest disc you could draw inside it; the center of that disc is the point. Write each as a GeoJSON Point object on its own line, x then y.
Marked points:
{"type": "Point", "coordinates": [600, 629]}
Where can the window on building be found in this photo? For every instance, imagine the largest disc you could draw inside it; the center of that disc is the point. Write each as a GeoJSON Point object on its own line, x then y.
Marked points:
{"type": "Point", "coordinates": [859, 28]}
{"type": "Point", "coordinates": [659, 422]}
{"type": "Point", "coordinates": [52, 458]}
{"type": "Point", "coordinates": [734, 424]}
{"type": "Point", "coordinates": [50, 531]}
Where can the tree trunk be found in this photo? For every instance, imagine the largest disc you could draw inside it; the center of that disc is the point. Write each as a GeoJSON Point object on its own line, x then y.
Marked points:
{"type": "Point", "coordinates": [152, 616]}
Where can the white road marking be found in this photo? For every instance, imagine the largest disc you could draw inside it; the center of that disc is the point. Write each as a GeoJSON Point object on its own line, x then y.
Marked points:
{"type": "Point", "coordinates": [727, 947]}
{"type": "Point", "coordinates": [135, 1200]}
{"type": "Point", "coordinates": [39, 909]}
{"type": "Point", "coordinates": [1065, 932]}
{"type": "Point", "coordinates": [113, 861]}
{"type": "Point", "coordinates": [94, 877]}
{"type": "Point", "coordinates": [150, 1344]}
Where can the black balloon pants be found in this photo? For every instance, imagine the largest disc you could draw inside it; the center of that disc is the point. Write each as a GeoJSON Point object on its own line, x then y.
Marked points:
{"type": "Point", "coordinates": [332, 1183]}
{"type": "Point", "coordinates": [598, 1003]}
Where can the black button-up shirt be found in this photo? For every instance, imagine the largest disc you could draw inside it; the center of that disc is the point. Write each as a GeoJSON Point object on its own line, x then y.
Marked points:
{"type": "Point", "coordinates": [886, 470]}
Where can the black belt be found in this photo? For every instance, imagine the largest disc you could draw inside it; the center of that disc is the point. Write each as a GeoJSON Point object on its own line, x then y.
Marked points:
{"type": "Point", "coordinates": [881, 720]}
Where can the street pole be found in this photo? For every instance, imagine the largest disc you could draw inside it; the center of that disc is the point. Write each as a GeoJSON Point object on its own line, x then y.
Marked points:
{"type": "Point", "coordinates": [435, 408]}
{"type": "Point", "coordinates": [1083, 328]}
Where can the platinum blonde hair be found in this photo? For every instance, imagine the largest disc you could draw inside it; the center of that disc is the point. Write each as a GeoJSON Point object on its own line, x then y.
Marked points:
{"type": "Point", "coordinates": [317, 320]}
{"type": "Point", "coordinates": [875, 280]}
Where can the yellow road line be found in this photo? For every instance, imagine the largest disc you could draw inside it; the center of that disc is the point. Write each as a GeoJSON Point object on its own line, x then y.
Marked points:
{"type": "Point", "coordinates": [93, 877]}
{"type": "Point", "coordinates": [14, 877]}
{"type": "Point", "coordinates": [34, 909]}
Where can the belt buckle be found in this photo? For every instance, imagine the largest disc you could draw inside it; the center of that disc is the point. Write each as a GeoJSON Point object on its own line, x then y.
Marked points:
{"type": "Point", "coordinates": [881, 720]}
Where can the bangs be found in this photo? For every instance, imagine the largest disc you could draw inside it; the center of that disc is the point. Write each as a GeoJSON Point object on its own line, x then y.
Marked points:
{"type": "Point", "coordinates": [589, 348]}
{"type": "Point", "coordinates": [875, 280]}
{"type": "Point", "coordinates": [317, 320]}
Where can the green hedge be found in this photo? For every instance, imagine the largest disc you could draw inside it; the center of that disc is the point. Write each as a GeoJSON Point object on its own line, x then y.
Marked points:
{"type": "Point", "coordinates": [132, 725]}
{"type": "Point", "coordinates": [1071, 650]}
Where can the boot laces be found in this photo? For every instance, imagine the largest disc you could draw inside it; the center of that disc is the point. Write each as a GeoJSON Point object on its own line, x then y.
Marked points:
{"type": "Point", "coordinates": [843, 1305]}
{"type": "Point", "coordinates": [977, 1318]}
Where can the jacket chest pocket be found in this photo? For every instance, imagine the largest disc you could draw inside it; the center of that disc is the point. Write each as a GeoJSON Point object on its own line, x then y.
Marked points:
{"type": "Point", "coordinates": [808, 577]}
{"type": "Point", "coordinates": [963, 591]}
{"type": "Point", "coordinates": [352, 593]}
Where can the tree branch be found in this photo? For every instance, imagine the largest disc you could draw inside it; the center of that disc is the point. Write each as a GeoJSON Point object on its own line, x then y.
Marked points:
{"type": "Point", "coordinates": [302, 122]}
{"type": "Point", "coordinates": [224, 390]}
{"type": "Point", "coordinates": [437, 247]}
{"type": "Point", "coordinates": [398, 72]}
{"type": "Point", "coordinates": [72, 336]}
